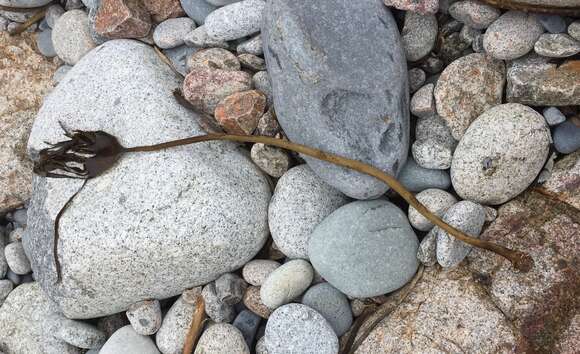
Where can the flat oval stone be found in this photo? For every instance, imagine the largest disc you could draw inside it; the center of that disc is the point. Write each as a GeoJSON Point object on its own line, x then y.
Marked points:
{"type": "Point", "coordinates": [365, 248]}
{"type": "Point", "coordinates": [332, 93]}
{"type": "Point", "coordinates": [331, 304]}
{"type": "Point", "coordinates": [500, 154]}
{"type": "Point", "coordinates": [156, 223]}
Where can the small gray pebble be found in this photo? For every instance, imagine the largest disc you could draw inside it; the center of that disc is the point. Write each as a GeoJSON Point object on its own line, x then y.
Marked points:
{"type": "Point", "coordinates": [179, 57]}
{"type": "Point", "coordinates": [71, 37]}
{"type": "Point", "coordinates": [145, 317]}
{"type": "Point", "coordinates": [256, 271]}
{"type": "Point", "coordinates": [127, 341]}
{"type": "Point", "coordinates": [331, 304]}
{"type": "Point", "coordinates": [423, 102]}
{"type": "Point", "coordinates": [252, 62]}
{"type": "Point", "coordinates": [199, 38]}
{"type": "Point", "coordinates": [235, 21]}
{"type": "Point", "coordinates": [80, 334]}
{"type": "Point", "coordinates": [13, 277]}
{"type": "Point", "coordinates": [262, 83]}
{"type": "Point", "coordinates": [16, 257]}
{"type": "Point", "coordinates": [432, 153]}
{"type": "Point", "coordinates": [296, 328]}
{"type": "Point", "coordinates": [197, 9]}
{"type": "Point", "coordinates": [553, 116]}
{"type": "Point", "coordinates": [436, 201]}
{"type": "Point", "coordinates": [552, 23]}
{"type": "Point", "coordinates": [20, 216]}
{"type": "Point", "coordinates": [574, 30]}
{"type": "Point", "coordinates": [214, 308]}
{"type": "Point", "coordinates": [53, 12]}
{"type": "Point", "coordinates": [432, 65]}
{"type": "Point", "coordinates": [230, 288]}
{"type": "Point", "coordinates": [44, 43]}
{"type": "Point", "coordinates": [474, 13]}
{"type": "Point", "coordinates": [221, 338]}
{"type": "Point", "coordinates": [512, 35]}
{"type": "Point", "coordinates": [171, 32]}
{"type": "Point", "coordinates": [466, 216]}
{"type": "Point", "coordinates": [416, 178]}
{"type": "Point", "coordinates": [416, 79]}
{"type": "Point", "coordinates": [16, 235]}
{"type": "Point", "coordinates": [251, 46]}
{"type": "Point", "coordinates": [286, 283]}
{"type": "Point", "coordinates": [468, 34]}
{"type": "Point", "coordinates": [477, 44]}
{"type": "Point", "coordinates": [73, 4]}
{"type": "Point", "coordinates": [248, 322]}
{"type": "Point", "coordinates": [418, 35]}
{"type": "Point", "coordinates": [427, 252]}
{"type": "Point", "coordinates": [567, 137]}
{"type": "Point", "coordinates": [261, 346]}
{"type": "Point", "coordinates": [559, 45]}
{"type": "Point", "coordinates": [270, 159]}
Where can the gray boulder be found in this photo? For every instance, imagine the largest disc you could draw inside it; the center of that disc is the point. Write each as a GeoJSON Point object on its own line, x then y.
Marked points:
{"type": "Point", "coordinates": [155, 224]}
{"type": "Point", "coordinates": [331, 92]}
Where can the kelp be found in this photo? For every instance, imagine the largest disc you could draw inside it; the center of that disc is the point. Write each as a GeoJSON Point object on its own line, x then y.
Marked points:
{"type": "Point", "coordinates": [89, 154]}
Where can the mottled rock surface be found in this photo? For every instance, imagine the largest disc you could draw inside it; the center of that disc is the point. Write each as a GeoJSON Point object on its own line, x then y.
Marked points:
{"type": "Point", "coordinates": [26, 78]}
{"type": "Point", "coordinates": [336, 95]}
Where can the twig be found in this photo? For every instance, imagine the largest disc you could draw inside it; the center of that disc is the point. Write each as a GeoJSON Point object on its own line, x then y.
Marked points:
{"type": "Point", "coordinates": [32, 20]}
{"type": "Point", "coordinates": [520, 260]}
{"type": "Point", "coordinates": [196, 325]}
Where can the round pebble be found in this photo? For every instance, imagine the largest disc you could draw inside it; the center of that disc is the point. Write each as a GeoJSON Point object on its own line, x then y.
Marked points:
{"type": "Point", "coordinates": [365, 248]}
{"type": "Point", "coordinates": [467, 217]}
{"type": "Point", "coordinates": [6, 287]}
{"type": "Point", "coordinates": [220, 338]}
{"type": "Point", "coordinates": [248, 323]}
{"type": "Point", "coordinates": [567, 137]}
{"type": "Point", "coordinates": [418, 35]}
{"type": "Point", "coordinates": [416, 79]}
{"type": "Point", "coordinates": [16, 258]}
{"type": "Point", "coordinates": [71, 37]}
{"type": "Point", "coordinates": [422, 102]}
{"type": "Point", "coordinates": [574, 30]}
{"type": "Point", "coordinates": [199, 38]}
{"type": "Point", "coordinates": [126, 340]}
{"type": "Point", "coordinates": [235, 21]}
{"type": "Point", "coordinates": [416, 178]}
{"type": "Point", "coordinates": [251, 46]}
{"type": "Point", "coordinates": [513, 35]}
{"type": "Point", "coordinates": [432, 153]}
{"type": "Point", "coordinates": [197, 9]}
{"type": "Point", "coordinates": [262, 83]}
{"type": "Point", "coordinates": [553, 116]}
{"type": "Point", "coordinates": [213, 58]}
{"type": "Point", "coordinates": [80, 334]}
{"type": "Point", "coordinates": [145, 317]}
{"type": "Point", "coordinates": [473, 13]}
{"type": "Point", "coordinates": [261, 346]}
{"type": "Point", "coordinates": [436, 201]}
{"type": "Point", "coordinates": [253, 302]}
{"type": "Point", "coordinates": [171, 32]}
{"type": "Point", "coordinates": [331, 304]}
{"type": "Point", "coordinates": [296, 328]}
{"type": "Point", "coordinates": [300, 202]}
{"type": "Point", "coordinates": [552, 23]}
{"type": "Point", "coordinates": [270, 159]}
{"type": "Point", "coordinates": [256, 271]}
{"type": "Point", "coordinates": [500, 154]}
{"type": "Point", "coordinates": [44, 43]}
{"type": "Point", "coordinates": [559, 45]}
{"type": "Point", "coordinates": [286, 283]}
{"type": "Point", "coordinates": [53, 12]}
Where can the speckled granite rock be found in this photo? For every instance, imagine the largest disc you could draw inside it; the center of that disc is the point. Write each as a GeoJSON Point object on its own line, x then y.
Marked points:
{"type": "Point", "coordinates": [26, 78]}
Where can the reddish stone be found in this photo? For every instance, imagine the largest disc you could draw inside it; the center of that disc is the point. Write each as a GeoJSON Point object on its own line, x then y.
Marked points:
{"type": "Point", "coordinates": [205, 88]}
{"type": "Point", "coordinates": [161, 10]}
{"type": "Point", "coordinates": [239, 113]}
{"type": "Point", "coordinates": [254, 303]}
{"type": "Point", "coordinates": [122, 19]}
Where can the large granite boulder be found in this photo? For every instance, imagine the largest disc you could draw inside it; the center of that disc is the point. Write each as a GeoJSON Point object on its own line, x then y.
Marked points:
{"type": "Point", "coordinates": [331, 92]}
{"type": "Point", "coordinates": [155, 224]}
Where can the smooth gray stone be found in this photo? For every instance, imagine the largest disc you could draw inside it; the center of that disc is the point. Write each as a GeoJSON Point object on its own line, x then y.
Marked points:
{"type": "Point", "coordinates": [416, 178]}
{"type": "Point", "coordinates": [126, 340]}
{"type": "Point", "coordinates": [331, 304]}
{"type": "Point", "coordinates": [197, 9]}
{"type": "Point", "coordinates": [552, 23]}
{"type": "Point", "coordinates": [566, 137]}
{"type": "Point", "coordinates": [248, 322]}
{"type": "Point", "coordinates": [53, 12]}
{"type": "Point", "coordinates": [332, 93]}
{"type": "Point", "coordinates": [553, 116]}
{"type": "Point", "coordinates": [179, 56]}
{"type": "Point", "coordinates": [44, 43]}
{"type": "Point", "coordinates": [192, 213]}
{"type": "Point", "coordinates": [365, 248]}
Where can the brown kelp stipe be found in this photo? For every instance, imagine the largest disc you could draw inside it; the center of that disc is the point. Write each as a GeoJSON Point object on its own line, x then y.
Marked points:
{"type": "Point", "coordinates": [90, 153]}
